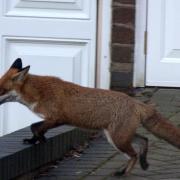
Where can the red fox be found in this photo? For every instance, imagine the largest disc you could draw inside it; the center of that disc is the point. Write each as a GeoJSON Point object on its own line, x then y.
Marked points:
{"type": "Point", "coordinates": [59, 102]}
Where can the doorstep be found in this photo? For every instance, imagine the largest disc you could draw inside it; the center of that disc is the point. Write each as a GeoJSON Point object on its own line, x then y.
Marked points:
{"type": "Point", "coordinates": [17, 158]}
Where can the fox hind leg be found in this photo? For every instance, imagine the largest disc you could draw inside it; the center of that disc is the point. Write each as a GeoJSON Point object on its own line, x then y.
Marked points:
{"type": "Point", "coordinates": [122, 144]}
{"type": "Point", "coordinates": [131, 162]}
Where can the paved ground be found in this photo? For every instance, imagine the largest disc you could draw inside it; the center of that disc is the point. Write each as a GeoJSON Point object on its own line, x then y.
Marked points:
{"type": "Point", "coordinates": [100, 160]}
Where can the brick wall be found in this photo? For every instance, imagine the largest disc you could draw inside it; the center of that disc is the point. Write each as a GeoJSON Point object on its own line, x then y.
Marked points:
{"type": "Point", "coordinates": [122, 47]}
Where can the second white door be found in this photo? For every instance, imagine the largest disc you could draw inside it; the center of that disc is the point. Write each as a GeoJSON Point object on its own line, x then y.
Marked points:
{"type": "Point", "coordinates": [163, 48]}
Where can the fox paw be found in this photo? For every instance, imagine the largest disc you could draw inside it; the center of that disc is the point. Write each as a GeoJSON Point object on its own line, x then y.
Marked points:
{"type": "Point", "coordinates": [35, 140]}
{"type": "Point", "coordinates": [119, 173]}
{"type": "Point", "coordinates": [144, 165]}
{"type": "Point", "coordinates": [30, 141]}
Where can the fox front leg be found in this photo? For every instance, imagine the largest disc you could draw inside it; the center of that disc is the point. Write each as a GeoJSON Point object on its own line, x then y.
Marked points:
{"type": "Point", "coordinates": [36, 136]}
{"type": "Point", "coordinates": [39, 129]}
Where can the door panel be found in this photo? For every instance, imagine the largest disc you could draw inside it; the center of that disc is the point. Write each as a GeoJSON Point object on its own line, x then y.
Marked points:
{"type": "Point", "coordinates": [74, 9]}
{"type": "Point", "coordinates": [163, 52]}
{"type": "Point", "coordinates": [51, 57]}
{"type": "Point", "coordinates": [55, 37]}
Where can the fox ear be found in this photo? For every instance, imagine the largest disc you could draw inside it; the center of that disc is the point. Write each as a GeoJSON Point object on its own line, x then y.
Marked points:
{"type": "Point", "coordinates": [17, 64]}
{"type": "Point", "coordinates": [20, 76]}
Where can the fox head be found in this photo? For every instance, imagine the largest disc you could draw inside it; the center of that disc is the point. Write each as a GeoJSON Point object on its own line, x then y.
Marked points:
{"type": "Point", "coordinates": [12, 81]}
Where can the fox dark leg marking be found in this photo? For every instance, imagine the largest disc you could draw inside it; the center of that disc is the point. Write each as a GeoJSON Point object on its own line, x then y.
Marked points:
{"type": "Point", "coordinates": [39, 129]}
{"type": "Point", "coordinates": [143, 144]}
{"type": "Point", "coordinates": [36, 137]}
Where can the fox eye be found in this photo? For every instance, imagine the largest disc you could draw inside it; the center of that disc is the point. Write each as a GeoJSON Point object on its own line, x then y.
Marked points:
{"type": "Point", "coordinates": [2, 91]}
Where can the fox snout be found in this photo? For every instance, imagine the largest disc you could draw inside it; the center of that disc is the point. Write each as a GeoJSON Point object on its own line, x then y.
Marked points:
{"type": "Point", "coordinates": [10, 96]}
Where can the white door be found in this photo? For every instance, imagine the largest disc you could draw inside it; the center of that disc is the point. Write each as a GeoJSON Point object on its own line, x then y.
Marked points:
{"type": "Point", "coordinates": [55, 37]}
{"type": "Point", "coordinates": [163, 48]}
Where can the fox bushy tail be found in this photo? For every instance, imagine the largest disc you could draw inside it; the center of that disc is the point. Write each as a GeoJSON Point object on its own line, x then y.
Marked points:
{"type": "Point", "coordinates": [162, 128]}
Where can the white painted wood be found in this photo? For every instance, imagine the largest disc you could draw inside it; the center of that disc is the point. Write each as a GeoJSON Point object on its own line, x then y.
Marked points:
{"type": "Point", "coordinates": [65, 58]}
{"type": "Point", "coordinates": [74, 9]}
{"type": "Point", "coordinates": [163, 58]}
{"type": "Point", "coordinates": [104, 40]}
{"type": "Point", "coordinates": [139, 55]}
{"type": "Point", "coordinates": [63, 45]}
{"type": "Point", "coordinates": [2, 112]}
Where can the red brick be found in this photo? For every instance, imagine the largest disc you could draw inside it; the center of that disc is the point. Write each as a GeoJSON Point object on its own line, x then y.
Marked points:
{"type": "Point", "coordinates": [123, 54]}
{"type": "Point", "coordinates": [122, 34]}
{"type": "Point", "coordinates": [121, 67]}
{"type": "Point", "coordinates": [125, 1]}
{"type": "Point", "coordinates": [123, 15]}
{"type": "Point", "coordinates": [119, 79]}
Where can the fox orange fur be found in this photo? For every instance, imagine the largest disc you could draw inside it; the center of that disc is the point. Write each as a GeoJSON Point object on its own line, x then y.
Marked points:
{"type": "Point", "coordinates": [59, 102]}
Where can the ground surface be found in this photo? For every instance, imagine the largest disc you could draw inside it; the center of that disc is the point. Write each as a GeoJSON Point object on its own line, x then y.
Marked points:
{"type": "Point", "coordinates": [100, 160]}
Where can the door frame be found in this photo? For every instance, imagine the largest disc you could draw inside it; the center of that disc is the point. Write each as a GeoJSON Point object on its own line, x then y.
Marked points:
{"type": "Point", "coordinates": [140, 51]}
{"type": "Point", "coordinates": [103, 57]}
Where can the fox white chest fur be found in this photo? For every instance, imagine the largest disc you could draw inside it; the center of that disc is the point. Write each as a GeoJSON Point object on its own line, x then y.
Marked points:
{"type": "Point", "coordinates": [31, 106]}
{"type": "Point", "coordinates": [16, 97]}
